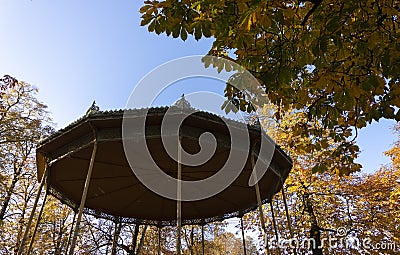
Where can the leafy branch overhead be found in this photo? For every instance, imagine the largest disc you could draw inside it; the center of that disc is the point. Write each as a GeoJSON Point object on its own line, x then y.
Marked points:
{"type": "Point", "coordinates": [6, 82]}
{"type": "Point", "coordinates": [337, 61]}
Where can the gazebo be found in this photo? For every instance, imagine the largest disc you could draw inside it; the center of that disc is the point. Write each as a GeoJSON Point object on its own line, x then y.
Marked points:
{"type": "Point", "coordinates": [85, 166]}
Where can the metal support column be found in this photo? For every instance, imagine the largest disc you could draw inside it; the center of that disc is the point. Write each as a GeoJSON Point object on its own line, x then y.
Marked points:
{"type": "Point", "coordinates": [70, 232]}
{"type": "Point", "coordinates": [28, 226]}
{"type": "Point", "coordinates": [260, 210]}
{"type": "Point", "coordinates": [37, 224]}
{"type": "Point", "coordinates": [83, 199]}
{"type": "Point", "coordinates": [179, 198]}
{"type": "Point", "coordinates": [202, 239]}
{"type": "Point", "coordinates": [243, 237]}
{"type": "Point", "coordinates": [275, 227]}
{"type": "Point", "coordinates": [159, 241]}
{"type": "Point", "coordinates": [288, 216]}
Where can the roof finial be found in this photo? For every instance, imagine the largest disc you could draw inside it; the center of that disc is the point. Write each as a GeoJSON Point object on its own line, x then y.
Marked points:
{"type": "Point", "coordinates": [182, 103]}
{"type": "Point", "coordinates": [92, 109]}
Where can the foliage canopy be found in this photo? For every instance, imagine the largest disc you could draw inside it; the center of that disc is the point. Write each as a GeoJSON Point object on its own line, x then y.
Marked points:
{"type": "Point", "coordinates": [336, 61]}
{"type": "Point", "coordinates": [319, 203]}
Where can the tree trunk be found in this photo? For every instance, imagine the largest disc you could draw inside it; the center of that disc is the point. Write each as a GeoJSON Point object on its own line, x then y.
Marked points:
{"type": "Point", "coordinates": [315, 234]}
{"type": "Point", "coordinates": [134, 240]}
{"type": "Point", "coordinates": [315, 231]}
{"type": "Point", "coordinates": [21, 225]}
{"type": "Point", "coordinates": [191, 241]}
{"type": "Point", "coordinates": [141, 240]}
{"type": "Point", "coordinates": [7, 198]}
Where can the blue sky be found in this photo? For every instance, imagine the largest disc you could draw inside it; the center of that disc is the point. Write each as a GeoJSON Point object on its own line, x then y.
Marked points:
{"type": "Point", "coordinates": [79, 51]}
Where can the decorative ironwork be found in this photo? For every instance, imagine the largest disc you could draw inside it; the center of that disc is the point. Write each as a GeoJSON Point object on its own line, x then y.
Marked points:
{"type": "Point", "coordinates": [92, 109]}
{"type": "Point", "coordinates": [158, 223]}
{"type": "Point", "coordinates": [182, 103]}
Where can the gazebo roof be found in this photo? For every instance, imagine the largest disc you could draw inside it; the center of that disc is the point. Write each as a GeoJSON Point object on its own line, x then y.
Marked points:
{"type": "Point", "coordinates": [115, 191]}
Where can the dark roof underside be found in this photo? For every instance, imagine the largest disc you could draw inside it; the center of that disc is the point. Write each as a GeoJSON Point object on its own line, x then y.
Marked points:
{"type": "Point", "coordinates": [116, 192]}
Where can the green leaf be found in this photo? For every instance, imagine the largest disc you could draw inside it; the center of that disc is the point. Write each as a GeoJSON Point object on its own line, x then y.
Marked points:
{"type": "Point", "coordinates": [373, 81]}
{"type": "Point", "coordinates": [223, 106]}
{"type": "Point", "coordinates": [175, 31]}
{"type": "Point", "coordinates": [206, 60]}
{"type": "Point", "coordinates": [220, 65]}
{"type": "Point", "coordinates": [146, 19]}
{"type": "Point", "coordinates": [197, 33]}
{"type": "Point", "coordinates": [152, 26]}
{"type": "Point", "coordinates": [183, 34]}
{"type": "Point", "coordinates": [206, 28]}
{"type": "Point", "coordinates": [250, 108]}
{"type": "Point", "coordinates": [245, 18]}
{"type": "Point", "coordinates": [315, 49]}
{"type": "Point", "coordinates": [319, 168]}
{"type": "Point", "coordinates": [242, 105]}
{"type": "Point", "coordinates": [157, 27]}
{"type": "Point", "coordinates": [388, 112]}
{"type": "Point", "coordinates": [323, 44]}
{"type": "Point", "coordinates": [397, 117]}
{"type": "Point", "coordinates": [333, 24]}
{"type": "Point", "coordinates": [366, 85]}
{"type": "Point", "coordinates": [144, 8]}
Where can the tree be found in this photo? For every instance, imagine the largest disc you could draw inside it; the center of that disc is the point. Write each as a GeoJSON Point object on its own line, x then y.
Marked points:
{"type": "Point", "coordinates": [6, 82]}
{"type": "Point", "coordinates": [318, 163]}
{"type": "Point", "coordinates": [217, 241]}
{"type": "Point", "coordinates": [335, 67]}
{"type": "Point", "coordinates": [322, 202]}
{"type": "Point", "coordinates": [53, 230]}
{"type": "Point", "coordinates": [338, 62]}
{"type": "Point", "coordinates": [23, 121]}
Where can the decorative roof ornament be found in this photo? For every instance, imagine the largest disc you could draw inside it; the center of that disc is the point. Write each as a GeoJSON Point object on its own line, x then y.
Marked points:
{"type": "Point", "coordinates": [92, 109]}
{"type": "Point", "coordinates": [182, 103]}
